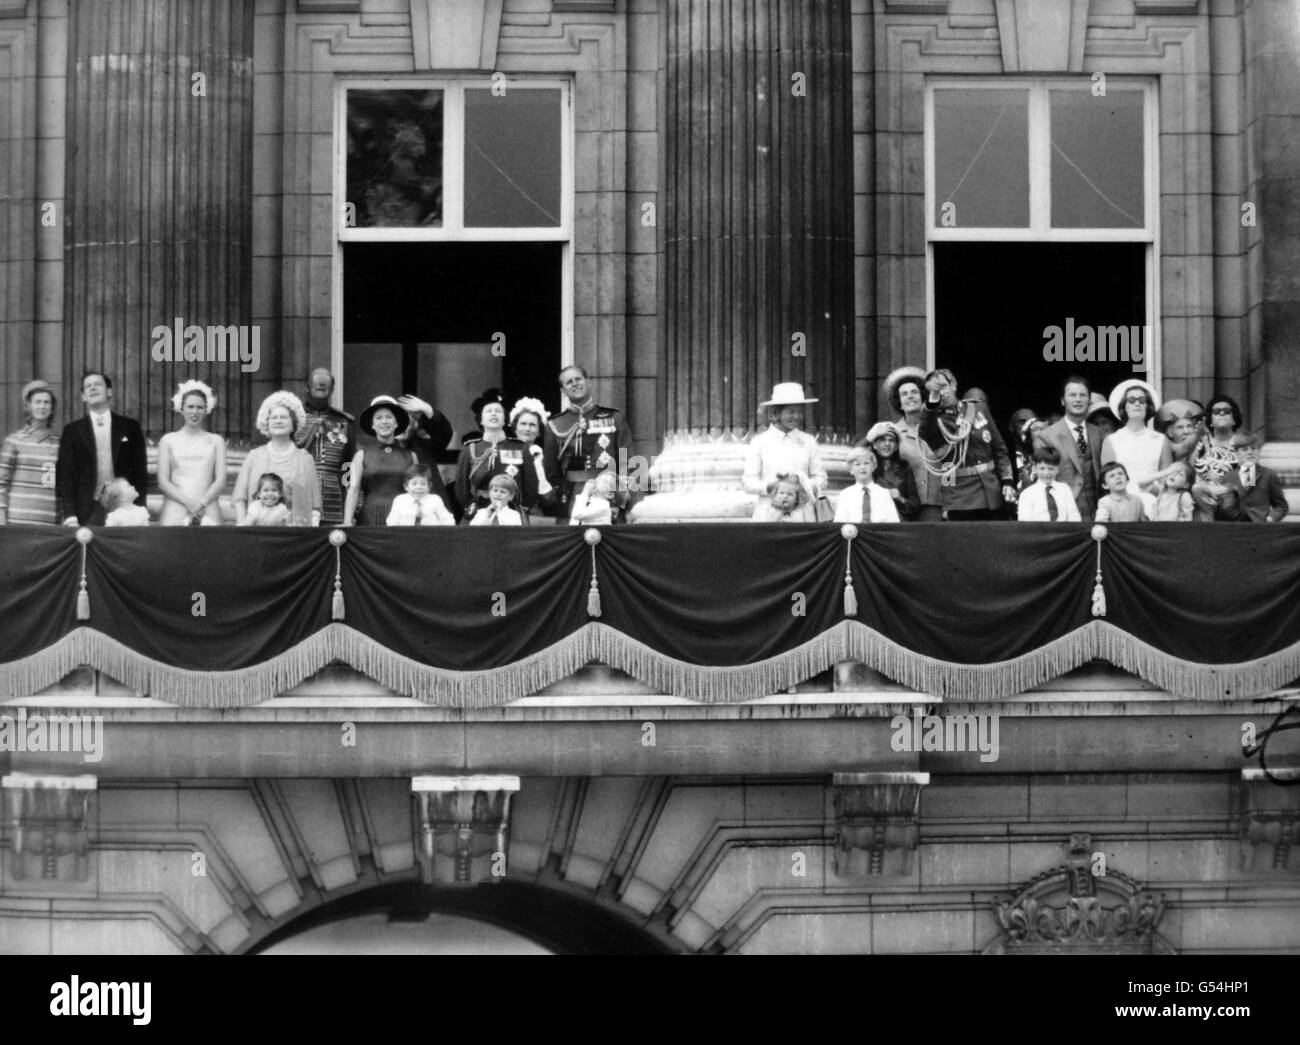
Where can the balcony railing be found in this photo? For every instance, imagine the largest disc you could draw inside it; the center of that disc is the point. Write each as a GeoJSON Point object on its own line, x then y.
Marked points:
{"type": "Point", "coordinates": [461, 617]}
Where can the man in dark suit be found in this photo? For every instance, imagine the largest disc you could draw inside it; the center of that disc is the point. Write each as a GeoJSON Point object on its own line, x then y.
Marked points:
{"type": "Point", "coordinates": [96, 449]}
{"type": "Point", "coordinates": [1078, 443]}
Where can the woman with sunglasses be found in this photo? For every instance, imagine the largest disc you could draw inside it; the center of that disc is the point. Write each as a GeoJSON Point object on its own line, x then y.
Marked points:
{"type": "Point", "coordinates": [1214, 459]}
{"type": "Point", "coordinates": [1145, 454]}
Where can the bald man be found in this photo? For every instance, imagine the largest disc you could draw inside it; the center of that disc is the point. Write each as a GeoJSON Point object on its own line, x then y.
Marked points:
{"type": "Point", "coordinates": [330, 437]}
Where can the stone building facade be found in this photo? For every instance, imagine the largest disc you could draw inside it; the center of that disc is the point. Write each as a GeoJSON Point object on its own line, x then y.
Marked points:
{"type": "Point", "coordinates": [723, 195]}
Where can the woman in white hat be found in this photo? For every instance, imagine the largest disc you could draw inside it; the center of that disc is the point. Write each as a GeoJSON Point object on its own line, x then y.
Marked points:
{"type": "Point", "coordinates": [27, 457]}
{"type": "Point", "coordinates": [1145, 454]}
{"type": "Point", "coordinates": [784, 450]}
{"type": "Point", "coordinates": [904, 390]}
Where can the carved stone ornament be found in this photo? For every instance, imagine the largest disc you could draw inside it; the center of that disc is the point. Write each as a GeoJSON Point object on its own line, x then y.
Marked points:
{"type": "Point", "coordinates": [1069, 910]}
{"type": "Point", "coordinates": [876, 822]}
{"type": "Point", "coordinates": [1270, 819]}
{"type": "Point", "coordinates": [48, 819]}
{"type": "Point", "coordinates": [464, 827]}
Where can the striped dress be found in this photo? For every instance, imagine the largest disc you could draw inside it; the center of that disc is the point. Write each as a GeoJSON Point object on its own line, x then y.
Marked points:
{"type": "Point", "coordinates": [27, 461]}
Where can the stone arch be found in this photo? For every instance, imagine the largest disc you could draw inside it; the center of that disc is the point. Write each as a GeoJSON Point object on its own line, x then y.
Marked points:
{"type": "Point", "coordinates": [558, 918]}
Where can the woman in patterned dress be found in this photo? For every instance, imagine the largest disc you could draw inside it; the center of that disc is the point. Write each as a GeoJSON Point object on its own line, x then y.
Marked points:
{"type": "Point", "coordinates": [27, 461]}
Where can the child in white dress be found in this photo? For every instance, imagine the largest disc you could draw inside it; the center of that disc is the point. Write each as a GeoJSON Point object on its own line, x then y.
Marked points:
{"type": "Point", "coordinates": [117, 499]}
{"type": "Point", "coordinates": [268, 507]}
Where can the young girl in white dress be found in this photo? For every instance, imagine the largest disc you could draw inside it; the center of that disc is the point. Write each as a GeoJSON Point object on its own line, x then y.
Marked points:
{"type": "Point", "coordinates": [191, 462]}
{"type": "Point", "coordinates": [268, 507]}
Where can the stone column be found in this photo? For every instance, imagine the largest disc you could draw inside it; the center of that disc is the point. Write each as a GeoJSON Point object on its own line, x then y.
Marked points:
{"type": "Point", "coordinates": [1272, 51]}
{"type": "Point", "coordinates": [758, 220]}
{"type": "Point", "coordinates": [159, 188]}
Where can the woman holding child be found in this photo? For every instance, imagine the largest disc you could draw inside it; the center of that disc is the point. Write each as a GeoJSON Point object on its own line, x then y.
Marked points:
{"type": "Point", "coordinates": [279, 418]}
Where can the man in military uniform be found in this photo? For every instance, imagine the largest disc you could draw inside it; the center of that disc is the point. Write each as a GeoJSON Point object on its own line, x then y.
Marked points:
{"type": "Point", "coordinates": [966, 452]}
{"type": "Point", "coordinates": [330, 437]}
{"type": "Point", "coordinates": [583, 441]}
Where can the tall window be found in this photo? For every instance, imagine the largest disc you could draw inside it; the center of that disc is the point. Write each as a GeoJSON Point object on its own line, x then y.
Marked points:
{"type": "Point", "coordinates": [1042, 207]}
{"type": "Point", "coordinates": [454, 227]}
{"type": "Point", "coordinates": [445, 160]}
{"type": "Point", "coordinates": [1047, 161]}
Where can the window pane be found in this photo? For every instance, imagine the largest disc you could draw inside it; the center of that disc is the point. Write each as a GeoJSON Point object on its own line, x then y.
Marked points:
{"type": "Point", "coordinates": [1097, 160]}
{"type": "Point", "coordinates": [395, 157]}
{"type": "Point", "coordinates": [512, 158]}
{"type": "Point", "coordinates": [981, 158]}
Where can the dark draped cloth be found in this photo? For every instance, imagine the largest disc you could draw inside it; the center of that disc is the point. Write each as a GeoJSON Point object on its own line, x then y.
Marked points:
{"type": "Point", "coordinates": [470, 617]}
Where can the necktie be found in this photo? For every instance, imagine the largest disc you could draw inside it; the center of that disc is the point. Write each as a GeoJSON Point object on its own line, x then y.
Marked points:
{"type": "Point", "coordinates": [494, 520]}
{"type": "Point", "coordinates": [1082, 440]}
{"type": "Point", "coordinates": [418, 520]}
{"type": "Point", "coordinates": [866, 505]}
{"type": "Point", "coordinates": [1053, 513]}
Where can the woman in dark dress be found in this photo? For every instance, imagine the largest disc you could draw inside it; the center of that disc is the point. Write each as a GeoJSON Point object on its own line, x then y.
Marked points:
{"type": "Point", "coordinates": [892, 472]}
{"type": "Point", "coordinates": [494, 454]}
{"type": "Point", "coordinates": [378, 470]}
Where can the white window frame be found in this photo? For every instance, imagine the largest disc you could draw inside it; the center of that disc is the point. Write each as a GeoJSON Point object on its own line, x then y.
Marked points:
{"type": "Point", "coordinates": [1040, 229]}
{"type": "Point", "coordinates": [453, 228]}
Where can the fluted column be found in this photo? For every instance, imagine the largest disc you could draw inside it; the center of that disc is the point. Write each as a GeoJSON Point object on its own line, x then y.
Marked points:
{"type": "Point", "coordinates": [758, 213]}
{"type": "Point", "coordinates": [159, 186]}
{"type": "Point", "coordinates": [1272, 36]}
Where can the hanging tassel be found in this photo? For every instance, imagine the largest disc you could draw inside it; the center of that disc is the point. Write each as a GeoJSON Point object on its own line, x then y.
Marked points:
{"type": "Point", "coordinates": [848, 531]}
{"type": "Point", "coordinates": [85, 536]}
{"type": "Point", "coordinates": [338, 538]}
{"type": "Point", "coordinates": [592, 537]}
{"type": "Point", "coordinates": [1098, 592]}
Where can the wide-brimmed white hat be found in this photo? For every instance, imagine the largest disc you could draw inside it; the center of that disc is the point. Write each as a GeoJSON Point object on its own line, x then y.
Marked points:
{"type": "Point", "coordinates": [1122, 389]}
{"type": "Point", "coordinates": [788, 393]}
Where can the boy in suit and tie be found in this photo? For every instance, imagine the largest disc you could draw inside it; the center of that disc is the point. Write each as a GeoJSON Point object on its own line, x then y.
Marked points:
{"type": "Point", "coordinates": [1047, 499]}
{"type": "Point", "coordinates": [96, 449]}
{"type": "Point", "coordinates": [1077, 444]}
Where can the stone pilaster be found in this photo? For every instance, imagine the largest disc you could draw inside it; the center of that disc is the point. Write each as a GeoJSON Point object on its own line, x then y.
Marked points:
{"type": "Point", "coordinates": [758, 223]}
{"type": "Point", "coordinates": [1272, 53]}
{"type": "Point", "coordinates": [159, 188]}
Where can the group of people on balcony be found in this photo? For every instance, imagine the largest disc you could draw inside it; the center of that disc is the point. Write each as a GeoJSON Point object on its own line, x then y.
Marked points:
{"type": "Point", "coordinates": [1120, 458]}
{"type": "Point", "coordinates": [943, 457]}
{"type": "Point", "coordinates": [310, 470]}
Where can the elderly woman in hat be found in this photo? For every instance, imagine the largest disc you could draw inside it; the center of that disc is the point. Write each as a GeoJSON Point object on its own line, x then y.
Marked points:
{"type": "Point", "coordinates": [1145, 454]}
{"type": "Point", "coordinates": [279, 418]}
{"type": "Point", "coordinates": [905, 391]}
{"type": "Point", "coordinates": [892, 473]}
{"type": "Point", "coordinates": [378, 471]}
{"type": "Point", "coordinates": [27, 462]}
{"type": "Point", "coordinates": [784, 450]}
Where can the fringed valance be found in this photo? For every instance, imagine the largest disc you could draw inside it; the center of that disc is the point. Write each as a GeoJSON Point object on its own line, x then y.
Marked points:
{"type": "Point", "coordinates": [479, 617]}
